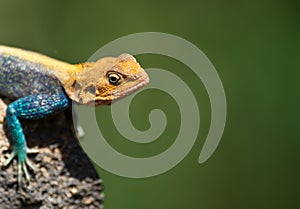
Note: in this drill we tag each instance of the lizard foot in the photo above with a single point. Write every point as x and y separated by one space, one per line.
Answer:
23 162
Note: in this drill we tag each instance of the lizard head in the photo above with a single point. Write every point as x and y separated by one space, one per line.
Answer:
107 80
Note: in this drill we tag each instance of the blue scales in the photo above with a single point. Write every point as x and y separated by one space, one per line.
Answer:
35 94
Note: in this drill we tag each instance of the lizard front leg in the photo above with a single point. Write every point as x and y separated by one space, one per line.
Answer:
30 107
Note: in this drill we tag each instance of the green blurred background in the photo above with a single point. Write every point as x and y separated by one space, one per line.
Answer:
254 46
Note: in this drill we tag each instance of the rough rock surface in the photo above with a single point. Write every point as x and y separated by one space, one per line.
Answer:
64 176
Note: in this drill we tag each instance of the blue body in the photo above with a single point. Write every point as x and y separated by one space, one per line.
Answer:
35 93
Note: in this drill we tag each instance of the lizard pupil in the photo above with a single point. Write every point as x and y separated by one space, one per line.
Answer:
114 78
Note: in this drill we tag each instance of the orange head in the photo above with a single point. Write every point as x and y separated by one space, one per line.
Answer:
107 79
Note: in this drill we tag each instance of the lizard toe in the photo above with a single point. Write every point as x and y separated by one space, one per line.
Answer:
9 159
30 150
22 167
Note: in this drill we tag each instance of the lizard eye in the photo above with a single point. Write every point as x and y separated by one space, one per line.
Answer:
114 78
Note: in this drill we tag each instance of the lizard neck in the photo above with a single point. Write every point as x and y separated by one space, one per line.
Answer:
69 79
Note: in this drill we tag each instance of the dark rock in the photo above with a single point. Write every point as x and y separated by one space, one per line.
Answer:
57 181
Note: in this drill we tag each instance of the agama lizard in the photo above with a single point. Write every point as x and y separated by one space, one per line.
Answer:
39 85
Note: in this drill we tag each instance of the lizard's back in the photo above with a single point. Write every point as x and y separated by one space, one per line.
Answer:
24 72
19 78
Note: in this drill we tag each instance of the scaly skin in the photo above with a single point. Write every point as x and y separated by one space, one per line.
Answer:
40 85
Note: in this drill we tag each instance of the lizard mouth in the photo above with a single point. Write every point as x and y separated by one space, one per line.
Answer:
142 81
